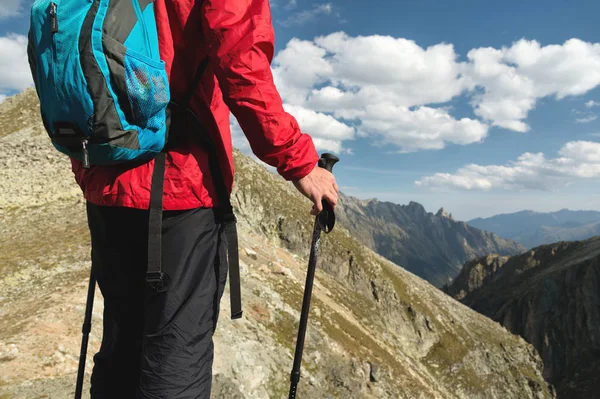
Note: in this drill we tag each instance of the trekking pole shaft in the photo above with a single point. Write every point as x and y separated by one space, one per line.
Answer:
327 161
86 328
310 277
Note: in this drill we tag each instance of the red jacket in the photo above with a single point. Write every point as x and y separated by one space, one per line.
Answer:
238 37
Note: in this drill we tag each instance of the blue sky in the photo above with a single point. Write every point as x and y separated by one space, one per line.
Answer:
391 88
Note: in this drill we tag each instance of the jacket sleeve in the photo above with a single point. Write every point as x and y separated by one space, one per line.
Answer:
241 46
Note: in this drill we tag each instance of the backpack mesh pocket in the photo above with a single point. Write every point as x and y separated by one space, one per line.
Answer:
147 90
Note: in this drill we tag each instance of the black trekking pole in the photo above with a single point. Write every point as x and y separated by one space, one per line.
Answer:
323 222
87 327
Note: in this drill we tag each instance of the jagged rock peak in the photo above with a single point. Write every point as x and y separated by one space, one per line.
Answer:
443 214
416 209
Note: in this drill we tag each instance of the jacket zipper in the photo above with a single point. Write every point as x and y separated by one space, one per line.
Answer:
53 30
138 11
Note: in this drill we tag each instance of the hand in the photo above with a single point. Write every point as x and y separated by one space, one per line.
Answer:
319 184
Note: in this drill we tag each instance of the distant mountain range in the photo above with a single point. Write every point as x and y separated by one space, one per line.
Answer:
532 229
432 246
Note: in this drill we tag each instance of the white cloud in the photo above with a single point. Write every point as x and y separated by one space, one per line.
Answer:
377 81
392 88
592 104
586 119
327 132
14 67
577 160
303 17
10 8
295 79
422 128
514 78
2 98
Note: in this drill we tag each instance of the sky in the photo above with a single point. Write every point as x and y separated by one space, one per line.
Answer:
479 107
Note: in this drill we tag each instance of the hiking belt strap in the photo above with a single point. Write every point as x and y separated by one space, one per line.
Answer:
234 270
229 223
155 277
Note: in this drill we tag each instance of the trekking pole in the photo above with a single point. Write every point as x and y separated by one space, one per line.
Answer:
324 221
87 327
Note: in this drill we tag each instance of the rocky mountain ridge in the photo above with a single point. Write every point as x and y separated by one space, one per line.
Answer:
432 246
375 330
550 296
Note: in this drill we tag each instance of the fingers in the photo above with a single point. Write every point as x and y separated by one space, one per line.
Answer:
332 198
318 206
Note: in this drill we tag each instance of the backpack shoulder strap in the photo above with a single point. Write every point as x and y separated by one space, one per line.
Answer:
185 103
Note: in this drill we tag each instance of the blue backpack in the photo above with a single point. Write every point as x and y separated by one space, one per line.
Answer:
105 99
102 86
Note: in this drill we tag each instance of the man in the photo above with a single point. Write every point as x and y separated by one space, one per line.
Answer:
159 344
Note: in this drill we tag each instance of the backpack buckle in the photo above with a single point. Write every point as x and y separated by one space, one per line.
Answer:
228 218
157 280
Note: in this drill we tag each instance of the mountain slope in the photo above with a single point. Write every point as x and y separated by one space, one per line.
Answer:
433 247
532 229
375 330
550 296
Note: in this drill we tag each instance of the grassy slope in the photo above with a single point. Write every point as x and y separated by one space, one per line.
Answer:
427 344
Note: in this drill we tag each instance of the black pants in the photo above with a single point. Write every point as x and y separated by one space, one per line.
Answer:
156 345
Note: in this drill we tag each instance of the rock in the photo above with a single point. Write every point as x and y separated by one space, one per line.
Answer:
263 268
243 268
9 354
251 253
225 388
374 372
278 269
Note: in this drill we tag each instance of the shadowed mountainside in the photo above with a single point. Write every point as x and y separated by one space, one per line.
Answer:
551 297
432 246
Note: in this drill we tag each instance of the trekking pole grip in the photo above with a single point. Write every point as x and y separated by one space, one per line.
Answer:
326 218
327 161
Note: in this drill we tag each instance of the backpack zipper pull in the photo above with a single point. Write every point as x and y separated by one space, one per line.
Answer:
86 156
53 19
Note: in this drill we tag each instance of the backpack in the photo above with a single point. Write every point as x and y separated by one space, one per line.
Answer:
105 99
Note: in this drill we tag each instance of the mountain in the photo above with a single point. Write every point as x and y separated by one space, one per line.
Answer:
432 246
532 229
374 331
551 297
